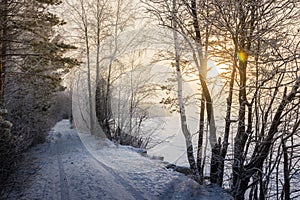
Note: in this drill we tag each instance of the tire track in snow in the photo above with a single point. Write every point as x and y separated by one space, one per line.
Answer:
63 180
57 149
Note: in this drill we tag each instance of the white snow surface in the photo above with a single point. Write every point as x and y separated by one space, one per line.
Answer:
71 166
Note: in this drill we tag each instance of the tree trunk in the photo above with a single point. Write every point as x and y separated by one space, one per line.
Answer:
241 136
200 139
3 46
215 163
87 48
184 128
108 111
202 70
227 124
98 43
92 122
102 107
286 186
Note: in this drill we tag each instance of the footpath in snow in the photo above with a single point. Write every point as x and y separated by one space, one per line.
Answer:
71 166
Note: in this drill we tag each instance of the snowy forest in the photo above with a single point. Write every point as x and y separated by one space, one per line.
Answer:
205 88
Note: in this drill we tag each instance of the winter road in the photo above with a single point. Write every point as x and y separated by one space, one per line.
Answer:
71 167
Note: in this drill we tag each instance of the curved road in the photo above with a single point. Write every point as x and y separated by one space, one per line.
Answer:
63 169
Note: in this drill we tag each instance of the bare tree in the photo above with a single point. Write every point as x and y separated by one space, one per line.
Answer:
196 36
263 64
183 118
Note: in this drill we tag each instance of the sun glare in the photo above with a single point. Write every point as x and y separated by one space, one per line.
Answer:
242 56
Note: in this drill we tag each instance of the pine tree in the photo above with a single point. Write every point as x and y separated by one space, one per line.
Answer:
32 63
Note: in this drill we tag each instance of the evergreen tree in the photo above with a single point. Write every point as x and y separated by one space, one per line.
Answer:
32 63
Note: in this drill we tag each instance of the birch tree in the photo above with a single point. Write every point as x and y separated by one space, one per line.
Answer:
183 118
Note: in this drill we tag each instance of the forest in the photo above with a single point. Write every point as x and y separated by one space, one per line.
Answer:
115 68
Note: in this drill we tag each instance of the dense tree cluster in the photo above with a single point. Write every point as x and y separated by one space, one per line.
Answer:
32 63
259 43
113 80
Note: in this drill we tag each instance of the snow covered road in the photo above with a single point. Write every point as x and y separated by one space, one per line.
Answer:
71 166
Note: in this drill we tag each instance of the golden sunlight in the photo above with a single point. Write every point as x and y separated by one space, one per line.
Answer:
242 56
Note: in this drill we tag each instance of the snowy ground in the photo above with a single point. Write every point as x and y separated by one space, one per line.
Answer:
72 166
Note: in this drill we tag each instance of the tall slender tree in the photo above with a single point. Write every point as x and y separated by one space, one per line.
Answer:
183 118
